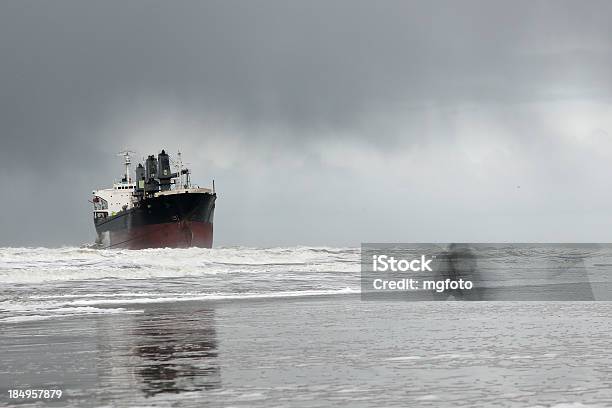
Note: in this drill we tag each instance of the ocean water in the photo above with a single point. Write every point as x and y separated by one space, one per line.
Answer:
40 283
285 327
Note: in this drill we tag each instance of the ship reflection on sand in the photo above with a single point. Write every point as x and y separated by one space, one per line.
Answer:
176 355
143 354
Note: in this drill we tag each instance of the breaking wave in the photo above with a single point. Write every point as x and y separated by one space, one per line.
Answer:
32 265
44 283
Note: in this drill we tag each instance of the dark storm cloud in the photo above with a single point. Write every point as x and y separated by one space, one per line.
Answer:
279 77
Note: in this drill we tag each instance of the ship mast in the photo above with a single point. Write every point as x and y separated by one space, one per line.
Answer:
128 162
180 165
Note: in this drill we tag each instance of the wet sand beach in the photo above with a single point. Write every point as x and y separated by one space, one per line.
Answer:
317 351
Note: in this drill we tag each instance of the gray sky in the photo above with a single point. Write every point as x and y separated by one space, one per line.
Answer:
322 122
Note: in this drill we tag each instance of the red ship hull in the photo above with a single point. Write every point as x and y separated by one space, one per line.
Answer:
183 234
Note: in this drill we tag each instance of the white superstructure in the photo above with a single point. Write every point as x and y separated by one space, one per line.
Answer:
109 201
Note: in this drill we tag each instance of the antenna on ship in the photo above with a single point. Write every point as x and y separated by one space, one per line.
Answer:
185 181
180 168
127 162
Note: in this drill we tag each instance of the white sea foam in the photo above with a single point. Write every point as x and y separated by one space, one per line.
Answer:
59 306
217 296
32 265
428 397
134 298
60 313
404 358
38 281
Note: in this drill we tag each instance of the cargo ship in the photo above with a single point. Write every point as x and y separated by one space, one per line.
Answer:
156 209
